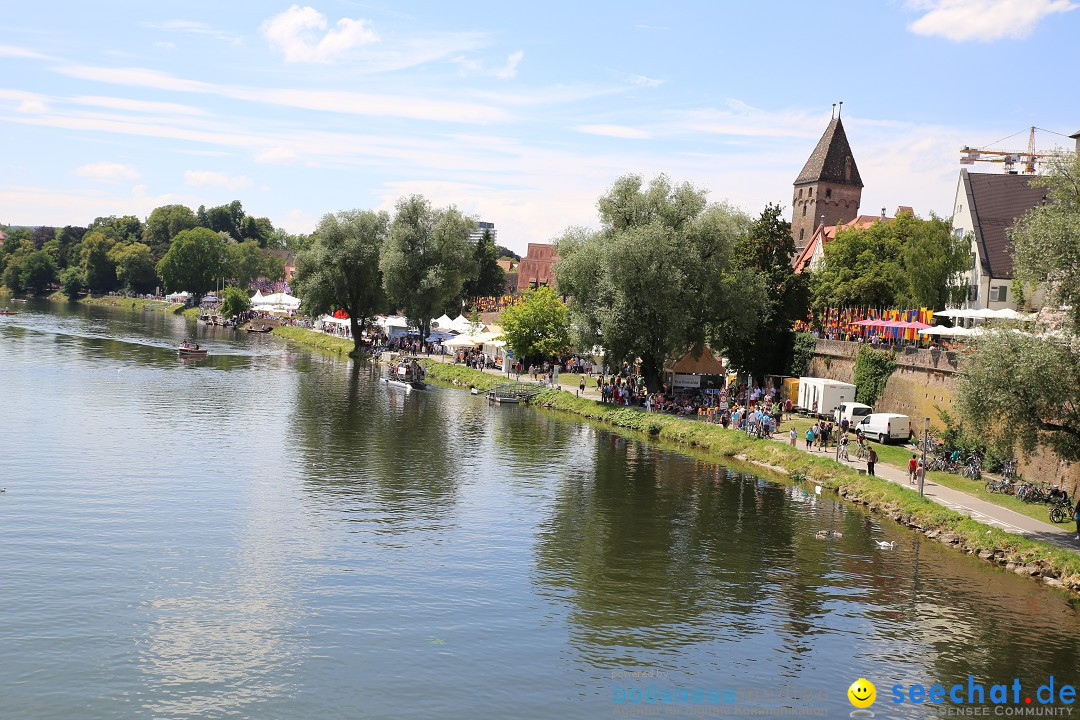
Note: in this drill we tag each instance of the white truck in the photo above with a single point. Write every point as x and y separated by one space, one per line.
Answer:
852 411
886 427
821 396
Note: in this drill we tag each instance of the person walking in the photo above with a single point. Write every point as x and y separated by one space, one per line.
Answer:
1076 516
809 439
794 435
582 385
871 460
912 466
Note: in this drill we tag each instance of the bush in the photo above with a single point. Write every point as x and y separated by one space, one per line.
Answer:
71 282
802 352
873 368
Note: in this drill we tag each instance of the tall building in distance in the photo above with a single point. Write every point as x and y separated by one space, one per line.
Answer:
829 189
478 232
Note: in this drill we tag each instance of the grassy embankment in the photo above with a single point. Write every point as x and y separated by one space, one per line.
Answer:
119 301
315 339
1058 567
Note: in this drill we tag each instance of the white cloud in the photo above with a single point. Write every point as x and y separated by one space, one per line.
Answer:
209 178
33 107
276 155
984 20
195 28
643 81
19 52
107 172
139 106
509 70
338 101
301 34
165 45
616 131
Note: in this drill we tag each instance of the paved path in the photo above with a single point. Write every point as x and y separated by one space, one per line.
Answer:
985 512
1062 536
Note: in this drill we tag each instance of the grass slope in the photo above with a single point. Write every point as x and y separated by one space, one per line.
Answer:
315 339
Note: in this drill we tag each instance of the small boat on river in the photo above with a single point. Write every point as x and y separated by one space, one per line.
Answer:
406 372
259 328
188 349
9 312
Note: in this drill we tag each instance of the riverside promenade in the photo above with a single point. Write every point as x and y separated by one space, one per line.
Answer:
1062 536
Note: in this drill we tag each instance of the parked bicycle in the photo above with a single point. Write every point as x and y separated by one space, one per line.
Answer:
973 467
1004 485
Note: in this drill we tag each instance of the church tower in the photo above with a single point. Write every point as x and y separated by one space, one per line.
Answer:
829 189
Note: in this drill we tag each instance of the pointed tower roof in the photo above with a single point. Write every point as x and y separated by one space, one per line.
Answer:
830 159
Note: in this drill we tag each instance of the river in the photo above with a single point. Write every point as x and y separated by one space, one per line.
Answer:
272 533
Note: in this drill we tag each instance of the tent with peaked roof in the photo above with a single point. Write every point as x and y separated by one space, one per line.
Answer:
703 364
443 322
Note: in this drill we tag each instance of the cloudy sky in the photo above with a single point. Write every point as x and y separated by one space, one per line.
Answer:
519 114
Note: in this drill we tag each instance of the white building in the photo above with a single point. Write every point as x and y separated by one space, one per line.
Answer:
987 205
478 232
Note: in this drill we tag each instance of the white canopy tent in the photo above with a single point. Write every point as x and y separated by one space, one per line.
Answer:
986 314
462 341
258 298
460 324
443 323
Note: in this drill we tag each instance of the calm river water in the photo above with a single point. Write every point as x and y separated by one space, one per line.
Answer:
270 533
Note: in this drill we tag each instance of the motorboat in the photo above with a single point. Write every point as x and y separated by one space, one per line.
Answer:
406 372
188 349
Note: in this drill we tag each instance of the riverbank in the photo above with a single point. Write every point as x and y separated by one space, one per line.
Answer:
1032 558
119 301
315 339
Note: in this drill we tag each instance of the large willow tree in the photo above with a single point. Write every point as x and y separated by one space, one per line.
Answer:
660 277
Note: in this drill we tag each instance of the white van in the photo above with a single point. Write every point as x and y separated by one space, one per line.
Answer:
853 411
885 427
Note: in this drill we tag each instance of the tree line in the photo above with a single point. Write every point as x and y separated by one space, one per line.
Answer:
174 246
418 261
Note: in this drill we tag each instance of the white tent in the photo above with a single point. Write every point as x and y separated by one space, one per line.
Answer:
283 300
461 341
986 314
178 297
442 323
460 324
258 298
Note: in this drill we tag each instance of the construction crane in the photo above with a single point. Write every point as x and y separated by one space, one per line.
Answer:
1009 158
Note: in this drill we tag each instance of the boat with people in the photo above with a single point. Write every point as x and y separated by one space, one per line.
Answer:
5 311
259 328
406 372
190 349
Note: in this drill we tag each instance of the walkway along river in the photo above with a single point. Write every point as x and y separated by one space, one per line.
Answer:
272 533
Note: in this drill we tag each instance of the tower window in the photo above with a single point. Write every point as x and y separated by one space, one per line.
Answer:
802 232
811 192
800 193
828 193
804 210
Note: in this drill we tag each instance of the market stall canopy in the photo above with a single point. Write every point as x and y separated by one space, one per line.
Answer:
443 322
460 324
392 321
987 314
439 336
461 341
704 364
280 300
258 298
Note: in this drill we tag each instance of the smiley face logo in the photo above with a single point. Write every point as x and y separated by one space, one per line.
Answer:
862 693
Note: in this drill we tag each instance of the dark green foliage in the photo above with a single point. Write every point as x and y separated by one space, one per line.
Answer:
873 368
906 262
195 262
802 352
489 279
165 223
234 301
71 282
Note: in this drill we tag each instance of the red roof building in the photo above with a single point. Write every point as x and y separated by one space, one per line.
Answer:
537 268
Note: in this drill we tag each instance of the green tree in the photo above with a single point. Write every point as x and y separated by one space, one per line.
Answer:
340 271
12 274
134 266
38 272
1047 238
71 282
1021 389
425 259
273 267
538 327
767 247
195 262
234 301
125 229
245 262
68 239
660 276
165 223
489 279
905 261
228 219
97 265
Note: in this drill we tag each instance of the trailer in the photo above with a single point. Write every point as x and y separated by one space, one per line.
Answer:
821 396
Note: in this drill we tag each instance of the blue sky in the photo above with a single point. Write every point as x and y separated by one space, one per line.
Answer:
519 114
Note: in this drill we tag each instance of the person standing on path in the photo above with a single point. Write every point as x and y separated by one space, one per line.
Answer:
582 385
912 466
809 439
794 435
871 460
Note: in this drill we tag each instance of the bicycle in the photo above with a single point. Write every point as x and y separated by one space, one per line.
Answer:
861 451
1002 486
